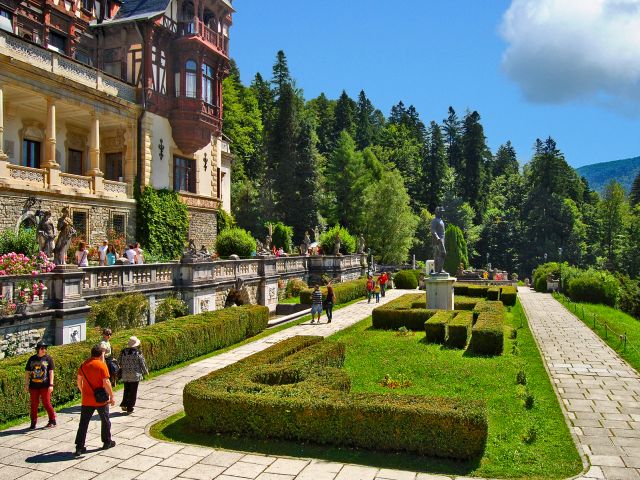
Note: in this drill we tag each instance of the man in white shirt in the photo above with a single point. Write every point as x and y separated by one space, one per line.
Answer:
102 251
130 253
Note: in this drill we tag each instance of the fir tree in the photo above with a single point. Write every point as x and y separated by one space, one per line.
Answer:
475 179
323 108
345 115
281 75
453 132
505 161
634 195
364 122
435 171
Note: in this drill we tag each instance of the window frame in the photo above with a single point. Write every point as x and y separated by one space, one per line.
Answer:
184 174
31 158
69 157
191 79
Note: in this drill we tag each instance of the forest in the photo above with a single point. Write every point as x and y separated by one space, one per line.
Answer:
326 162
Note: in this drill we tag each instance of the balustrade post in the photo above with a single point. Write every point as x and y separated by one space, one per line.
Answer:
65 296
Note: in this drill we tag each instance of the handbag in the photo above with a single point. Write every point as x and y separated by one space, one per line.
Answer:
99 393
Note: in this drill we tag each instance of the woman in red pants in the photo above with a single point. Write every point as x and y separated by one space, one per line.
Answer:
38 381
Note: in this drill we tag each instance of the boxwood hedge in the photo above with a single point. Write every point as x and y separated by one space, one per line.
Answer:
406 279
163 344
493 293
344 292
436 326
509 295
399 313
295 390
459 330
487 337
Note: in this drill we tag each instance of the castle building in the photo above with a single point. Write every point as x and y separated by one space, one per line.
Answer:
96 95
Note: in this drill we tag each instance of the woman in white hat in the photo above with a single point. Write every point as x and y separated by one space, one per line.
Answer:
133 368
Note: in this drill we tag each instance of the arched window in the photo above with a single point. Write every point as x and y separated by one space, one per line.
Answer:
190 79
207 84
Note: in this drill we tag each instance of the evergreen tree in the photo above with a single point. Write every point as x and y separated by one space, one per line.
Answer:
453 138
262 92
281 76
505 161
631 263
475 180
614 217
456 250
365 126
436 175
345 116
323 109
634 196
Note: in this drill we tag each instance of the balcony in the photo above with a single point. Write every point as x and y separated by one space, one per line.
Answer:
193 122
197 29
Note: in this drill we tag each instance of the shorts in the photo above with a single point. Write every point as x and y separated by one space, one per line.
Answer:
316 308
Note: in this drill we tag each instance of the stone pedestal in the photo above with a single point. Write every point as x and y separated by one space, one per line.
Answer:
440 291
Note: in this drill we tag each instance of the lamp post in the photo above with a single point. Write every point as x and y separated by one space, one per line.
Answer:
545 258
487 259
560 275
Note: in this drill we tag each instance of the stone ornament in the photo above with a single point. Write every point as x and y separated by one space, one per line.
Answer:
437 239
46 234
66 232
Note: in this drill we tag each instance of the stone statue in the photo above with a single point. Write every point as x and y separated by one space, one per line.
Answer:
336 245
437 239
47 234
360 244
316 234
304 248
66 232
269 240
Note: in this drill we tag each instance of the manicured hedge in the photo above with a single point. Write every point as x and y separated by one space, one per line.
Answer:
487 337
461 288
477 290
509 295
399 313
344 292
406 279
493 293
163 344
459 330
295 390
465 303
436 326
419 303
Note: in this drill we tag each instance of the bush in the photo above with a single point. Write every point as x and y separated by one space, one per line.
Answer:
629 301
170 308
493 293
399 313
456 249
405 279
509 295
542 272
487 337
594 287
419 303
461 288
436 326
224 220
163 344
282 236
296 390
119 311
477 291
465 303
344 292
294 287
22 242
459 330
328 240
235 241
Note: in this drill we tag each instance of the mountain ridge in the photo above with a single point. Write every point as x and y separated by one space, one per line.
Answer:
599 174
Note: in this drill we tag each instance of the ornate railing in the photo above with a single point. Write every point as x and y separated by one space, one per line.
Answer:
104 280
196 27
12 285
290 264
53 62
116 188
31 176
77 182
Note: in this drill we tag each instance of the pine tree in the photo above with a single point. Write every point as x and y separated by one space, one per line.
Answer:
475 180
323 109
281 75
364 122
505 161
345 115
453 132
634 195
435 171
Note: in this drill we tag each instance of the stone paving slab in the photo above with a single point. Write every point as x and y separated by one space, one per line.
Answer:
596 388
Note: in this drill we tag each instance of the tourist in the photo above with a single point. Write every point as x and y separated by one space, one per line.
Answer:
383 279
376 290
370 287
139 254
331 299
82 255
280 252
108 354
316 303
112 255
97 394
130 253
102 252
38 381
133 368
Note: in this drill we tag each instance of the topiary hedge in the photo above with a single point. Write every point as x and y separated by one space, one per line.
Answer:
509 295
118 312
436 326
465 303
235 241
163 344
295 390
459 330
400 313
344 292
477 291
493 293
405 279
487 336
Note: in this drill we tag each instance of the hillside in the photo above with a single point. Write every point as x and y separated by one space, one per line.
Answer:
599 174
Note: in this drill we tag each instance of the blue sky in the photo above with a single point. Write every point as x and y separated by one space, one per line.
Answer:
433 54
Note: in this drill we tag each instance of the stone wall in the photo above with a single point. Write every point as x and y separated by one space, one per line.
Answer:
203 228
19 338
16 208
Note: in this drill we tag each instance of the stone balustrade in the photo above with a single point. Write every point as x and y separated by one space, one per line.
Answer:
101 281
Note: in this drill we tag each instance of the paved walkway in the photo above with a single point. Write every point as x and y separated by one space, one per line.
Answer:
600 393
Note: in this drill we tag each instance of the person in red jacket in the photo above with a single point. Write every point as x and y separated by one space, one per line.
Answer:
384 278
371 285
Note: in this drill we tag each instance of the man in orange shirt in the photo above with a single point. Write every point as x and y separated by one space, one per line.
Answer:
93 374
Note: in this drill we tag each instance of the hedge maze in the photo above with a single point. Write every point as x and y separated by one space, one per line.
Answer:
296 390
476 323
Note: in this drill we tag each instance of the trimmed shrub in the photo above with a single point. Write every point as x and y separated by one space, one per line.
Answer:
456 249
170 308
493 293
477 291
119 311
295 390
487 306
294 287
509 295
465 303
328 240
344 292
460 288
235 241
282 236
419 304
487 336
399 313
594 287
405 279
436 326
459 330
163 344
542 272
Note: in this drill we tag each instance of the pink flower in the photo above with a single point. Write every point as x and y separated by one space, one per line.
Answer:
34 273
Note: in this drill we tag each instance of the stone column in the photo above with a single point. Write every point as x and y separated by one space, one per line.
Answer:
50 149
94 154
3 156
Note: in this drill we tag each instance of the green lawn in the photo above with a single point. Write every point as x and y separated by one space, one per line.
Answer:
432 370
618 323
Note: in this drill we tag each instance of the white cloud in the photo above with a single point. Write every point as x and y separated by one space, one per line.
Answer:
563 50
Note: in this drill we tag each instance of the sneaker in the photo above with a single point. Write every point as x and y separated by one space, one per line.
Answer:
51 424
32 426
79 451
129 410
123 408
109 445
329 321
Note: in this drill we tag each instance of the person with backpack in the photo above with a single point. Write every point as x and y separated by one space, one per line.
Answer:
133 368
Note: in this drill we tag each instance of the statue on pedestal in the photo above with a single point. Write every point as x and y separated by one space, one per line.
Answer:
437 239
47 234
304 248
336 245
66 232
361 244
316 234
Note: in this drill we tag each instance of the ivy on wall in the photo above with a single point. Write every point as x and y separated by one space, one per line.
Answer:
162 222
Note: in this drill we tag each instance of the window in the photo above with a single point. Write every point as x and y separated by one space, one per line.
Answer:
177 83
74 164
6 20
83 57
218 183
207 83
158 69
30 154
118 223
57 42
190 79
184 175
87 5
113 68
80 223
113 166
